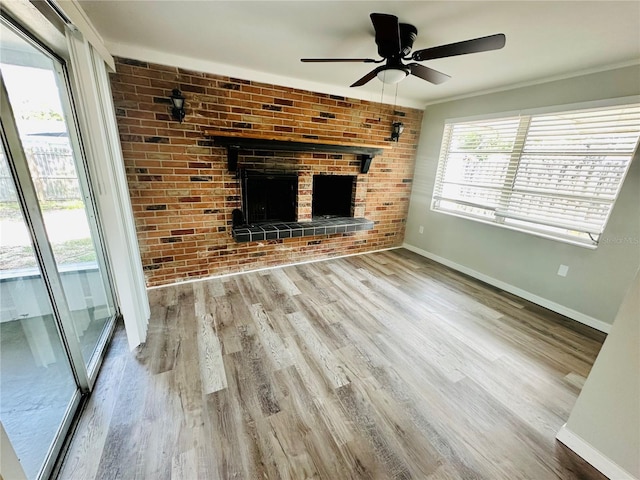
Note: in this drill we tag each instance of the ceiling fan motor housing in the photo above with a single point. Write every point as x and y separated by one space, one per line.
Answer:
408 35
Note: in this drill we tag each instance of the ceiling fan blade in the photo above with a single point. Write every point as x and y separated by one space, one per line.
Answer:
326 60
387 34
369 76
482 44
428 74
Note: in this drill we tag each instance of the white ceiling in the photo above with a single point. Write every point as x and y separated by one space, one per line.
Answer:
264 40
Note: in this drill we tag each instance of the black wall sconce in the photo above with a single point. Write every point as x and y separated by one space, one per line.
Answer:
396 129
177 100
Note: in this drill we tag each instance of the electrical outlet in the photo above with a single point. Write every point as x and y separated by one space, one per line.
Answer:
421 229
563 270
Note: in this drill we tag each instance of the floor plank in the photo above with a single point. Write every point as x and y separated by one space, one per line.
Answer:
378 366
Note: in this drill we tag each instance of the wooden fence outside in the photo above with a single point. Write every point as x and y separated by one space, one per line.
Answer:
53 173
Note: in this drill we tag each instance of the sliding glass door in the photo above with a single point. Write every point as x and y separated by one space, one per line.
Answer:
56 304
37 385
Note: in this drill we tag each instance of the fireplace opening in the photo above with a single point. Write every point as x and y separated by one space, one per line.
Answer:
332 195
269 197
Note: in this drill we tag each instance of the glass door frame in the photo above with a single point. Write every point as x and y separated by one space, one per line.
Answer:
64 80
27 199
84 373
63 77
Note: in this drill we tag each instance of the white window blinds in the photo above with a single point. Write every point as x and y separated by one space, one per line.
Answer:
555 175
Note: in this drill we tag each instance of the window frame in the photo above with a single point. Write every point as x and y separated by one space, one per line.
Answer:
516 153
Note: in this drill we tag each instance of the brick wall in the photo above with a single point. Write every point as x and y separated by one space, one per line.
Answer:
182 194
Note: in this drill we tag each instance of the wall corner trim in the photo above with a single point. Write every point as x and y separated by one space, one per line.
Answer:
543 302
592 455
82 22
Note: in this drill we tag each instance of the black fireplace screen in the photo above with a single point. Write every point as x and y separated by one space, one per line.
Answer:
269 197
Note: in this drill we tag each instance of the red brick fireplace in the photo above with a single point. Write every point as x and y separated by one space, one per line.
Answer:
183 193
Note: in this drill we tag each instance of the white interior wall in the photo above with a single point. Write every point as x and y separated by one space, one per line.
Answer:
10 467
604 426
522 263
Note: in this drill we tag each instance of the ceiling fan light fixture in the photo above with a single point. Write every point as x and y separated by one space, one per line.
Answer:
392 75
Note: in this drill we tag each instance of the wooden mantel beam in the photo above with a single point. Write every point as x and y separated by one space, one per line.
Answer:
234 143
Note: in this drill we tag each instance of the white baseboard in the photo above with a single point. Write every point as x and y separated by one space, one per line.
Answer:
556 307
592 456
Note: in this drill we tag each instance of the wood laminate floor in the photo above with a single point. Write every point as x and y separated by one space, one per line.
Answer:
377 366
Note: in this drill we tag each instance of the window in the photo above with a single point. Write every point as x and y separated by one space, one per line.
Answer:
556 175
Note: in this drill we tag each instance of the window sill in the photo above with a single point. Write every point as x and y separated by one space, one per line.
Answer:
535 233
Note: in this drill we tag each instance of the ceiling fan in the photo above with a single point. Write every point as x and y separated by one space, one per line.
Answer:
395 41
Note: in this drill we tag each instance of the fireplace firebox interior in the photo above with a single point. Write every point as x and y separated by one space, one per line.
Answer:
332 196
269 197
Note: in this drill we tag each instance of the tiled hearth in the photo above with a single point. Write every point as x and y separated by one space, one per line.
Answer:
324 226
